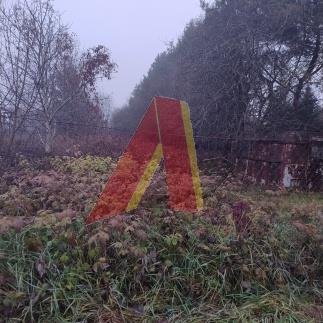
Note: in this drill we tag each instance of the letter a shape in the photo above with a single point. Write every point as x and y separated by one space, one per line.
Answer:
164 132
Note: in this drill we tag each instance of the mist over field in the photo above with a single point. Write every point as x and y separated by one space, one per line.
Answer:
161 161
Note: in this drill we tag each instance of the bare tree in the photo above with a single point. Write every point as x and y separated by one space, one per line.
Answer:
18 91
49 43
38 50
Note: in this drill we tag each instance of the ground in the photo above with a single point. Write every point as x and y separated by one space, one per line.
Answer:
254 254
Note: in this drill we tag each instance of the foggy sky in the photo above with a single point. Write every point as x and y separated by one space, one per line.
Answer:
135 31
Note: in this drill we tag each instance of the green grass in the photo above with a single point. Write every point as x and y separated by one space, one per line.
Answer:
156 265
182 270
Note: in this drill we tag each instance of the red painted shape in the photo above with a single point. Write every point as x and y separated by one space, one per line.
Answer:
177 162
162 124
131 166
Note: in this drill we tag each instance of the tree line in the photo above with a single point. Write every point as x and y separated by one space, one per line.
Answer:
247 68
46 84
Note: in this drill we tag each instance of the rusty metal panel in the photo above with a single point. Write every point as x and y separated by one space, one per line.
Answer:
292 162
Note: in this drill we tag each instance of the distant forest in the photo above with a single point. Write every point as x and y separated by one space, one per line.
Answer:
246 68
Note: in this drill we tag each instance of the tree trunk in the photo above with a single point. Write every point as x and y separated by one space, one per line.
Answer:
50 132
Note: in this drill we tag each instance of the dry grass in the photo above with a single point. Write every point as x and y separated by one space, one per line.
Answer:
157 265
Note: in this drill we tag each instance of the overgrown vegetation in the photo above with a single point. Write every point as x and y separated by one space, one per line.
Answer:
248 69
251 255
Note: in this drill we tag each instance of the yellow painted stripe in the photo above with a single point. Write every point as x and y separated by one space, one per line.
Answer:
192 154
157 119
145 179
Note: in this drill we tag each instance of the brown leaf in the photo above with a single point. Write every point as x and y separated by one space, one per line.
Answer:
33 244
102 264
116 223
224 248
100 238
68 213
141 235
43 180
315 312
308 229
14 222
246 285
40 267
